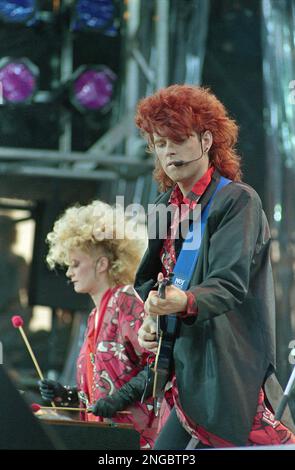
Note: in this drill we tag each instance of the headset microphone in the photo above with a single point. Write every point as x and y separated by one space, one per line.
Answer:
181 162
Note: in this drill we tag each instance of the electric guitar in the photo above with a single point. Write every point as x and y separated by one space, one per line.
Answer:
166 334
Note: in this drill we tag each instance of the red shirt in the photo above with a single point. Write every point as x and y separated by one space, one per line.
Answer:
265 429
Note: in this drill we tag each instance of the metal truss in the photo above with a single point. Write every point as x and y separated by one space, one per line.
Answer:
146 29
101 162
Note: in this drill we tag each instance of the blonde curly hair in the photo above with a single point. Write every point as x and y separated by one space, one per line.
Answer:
97 228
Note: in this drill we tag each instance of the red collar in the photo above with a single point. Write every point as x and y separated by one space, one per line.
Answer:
198 189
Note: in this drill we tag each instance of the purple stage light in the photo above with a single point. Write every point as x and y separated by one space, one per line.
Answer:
93 89
18 79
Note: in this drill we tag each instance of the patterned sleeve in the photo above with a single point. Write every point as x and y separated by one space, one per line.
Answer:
131 313
191 307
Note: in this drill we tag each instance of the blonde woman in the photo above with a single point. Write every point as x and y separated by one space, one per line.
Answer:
101 258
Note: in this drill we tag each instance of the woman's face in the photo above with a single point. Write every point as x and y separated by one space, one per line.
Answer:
82 271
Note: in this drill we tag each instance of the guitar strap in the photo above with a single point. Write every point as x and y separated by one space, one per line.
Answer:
182 274
189 254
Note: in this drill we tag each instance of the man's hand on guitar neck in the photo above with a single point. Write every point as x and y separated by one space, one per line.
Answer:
175 301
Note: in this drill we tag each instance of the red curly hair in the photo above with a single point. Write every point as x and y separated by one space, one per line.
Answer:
177 111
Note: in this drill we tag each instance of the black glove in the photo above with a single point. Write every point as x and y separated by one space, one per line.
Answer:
53 391
107 407
130 392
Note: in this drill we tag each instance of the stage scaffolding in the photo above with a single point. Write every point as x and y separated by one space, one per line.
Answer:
163 42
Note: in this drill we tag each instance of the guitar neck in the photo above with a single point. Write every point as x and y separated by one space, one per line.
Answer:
162 295
164 357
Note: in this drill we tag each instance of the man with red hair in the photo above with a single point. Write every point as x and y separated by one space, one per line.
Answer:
224 352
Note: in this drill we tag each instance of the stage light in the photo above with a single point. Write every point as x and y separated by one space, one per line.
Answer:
18 78
97 15
18 11
92 88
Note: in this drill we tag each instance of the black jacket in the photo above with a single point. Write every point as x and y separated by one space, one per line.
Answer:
224 354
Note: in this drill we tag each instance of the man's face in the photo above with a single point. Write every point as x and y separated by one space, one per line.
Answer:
190 148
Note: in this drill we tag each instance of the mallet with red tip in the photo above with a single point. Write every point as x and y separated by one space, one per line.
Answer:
18 322
36 407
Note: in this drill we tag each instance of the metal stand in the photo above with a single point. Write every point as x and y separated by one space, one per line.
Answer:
285 398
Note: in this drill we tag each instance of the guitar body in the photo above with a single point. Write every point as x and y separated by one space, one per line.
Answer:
166 332
164 361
